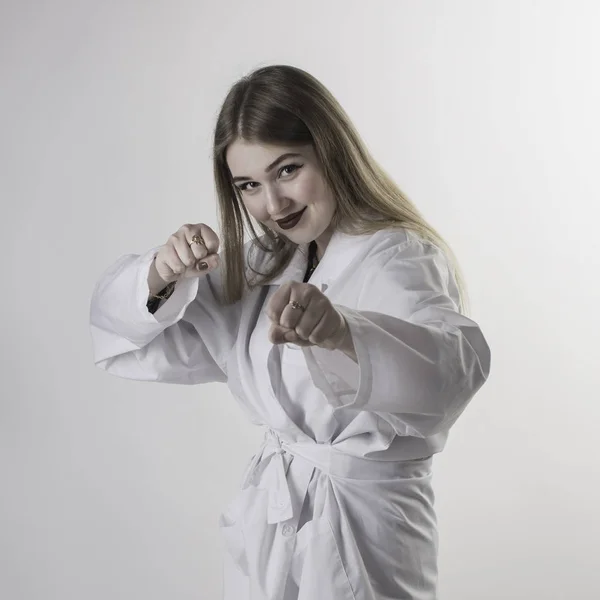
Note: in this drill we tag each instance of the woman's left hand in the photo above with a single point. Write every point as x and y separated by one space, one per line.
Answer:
319 325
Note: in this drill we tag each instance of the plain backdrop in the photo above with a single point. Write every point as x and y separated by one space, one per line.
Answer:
484 112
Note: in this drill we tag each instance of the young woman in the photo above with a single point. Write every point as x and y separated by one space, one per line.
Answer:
341 330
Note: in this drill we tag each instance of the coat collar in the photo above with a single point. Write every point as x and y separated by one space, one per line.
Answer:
339 255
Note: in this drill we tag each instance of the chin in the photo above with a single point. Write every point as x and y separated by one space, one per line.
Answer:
297 237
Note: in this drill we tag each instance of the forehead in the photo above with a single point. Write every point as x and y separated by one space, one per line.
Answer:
245 158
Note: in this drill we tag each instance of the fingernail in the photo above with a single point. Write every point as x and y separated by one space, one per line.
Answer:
202 266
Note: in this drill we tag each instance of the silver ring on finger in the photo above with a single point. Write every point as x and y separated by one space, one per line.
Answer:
295 304
197 239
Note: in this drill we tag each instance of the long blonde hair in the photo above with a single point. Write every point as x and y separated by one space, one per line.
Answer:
284 105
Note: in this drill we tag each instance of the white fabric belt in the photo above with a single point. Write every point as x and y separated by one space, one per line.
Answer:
325 458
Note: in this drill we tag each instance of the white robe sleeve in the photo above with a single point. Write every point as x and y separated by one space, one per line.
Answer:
187 340
420 361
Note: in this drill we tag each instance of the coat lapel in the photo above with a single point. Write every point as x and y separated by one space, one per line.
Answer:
336 264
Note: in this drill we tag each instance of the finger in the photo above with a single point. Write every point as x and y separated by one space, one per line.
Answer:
198 250
323 329
288 316
282 335
304 321
292 337
184 250
211 239
212 260
172 260
278 302
168 256
300 342
276 334
291 317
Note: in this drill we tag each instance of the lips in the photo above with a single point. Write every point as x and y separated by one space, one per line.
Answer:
290 218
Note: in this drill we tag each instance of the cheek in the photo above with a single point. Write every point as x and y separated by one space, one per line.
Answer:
310 191
257 209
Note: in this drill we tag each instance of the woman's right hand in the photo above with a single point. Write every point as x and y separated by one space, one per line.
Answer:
180 257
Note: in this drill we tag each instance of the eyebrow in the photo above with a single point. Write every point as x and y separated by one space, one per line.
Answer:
270 167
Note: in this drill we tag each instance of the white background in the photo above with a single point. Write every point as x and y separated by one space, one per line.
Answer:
485 113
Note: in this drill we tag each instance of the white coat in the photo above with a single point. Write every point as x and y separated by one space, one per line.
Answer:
337 502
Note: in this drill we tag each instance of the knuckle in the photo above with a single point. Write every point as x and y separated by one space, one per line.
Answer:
303 332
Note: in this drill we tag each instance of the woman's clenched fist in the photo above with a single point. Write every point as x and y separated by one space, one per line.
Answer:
182 257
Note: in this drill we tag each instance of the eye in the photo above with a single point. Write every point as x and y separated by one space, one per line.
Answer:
294 167
243 187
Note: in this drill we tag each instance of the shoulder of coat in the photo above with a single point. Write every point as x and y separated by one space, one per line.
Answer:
385 243
386 239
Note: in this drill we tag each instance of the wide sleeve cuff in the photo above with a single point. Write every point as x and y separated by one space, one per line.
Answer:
118 312
419 360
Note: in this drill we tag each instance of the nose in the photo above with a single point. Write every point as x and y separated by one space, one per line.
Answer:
275 202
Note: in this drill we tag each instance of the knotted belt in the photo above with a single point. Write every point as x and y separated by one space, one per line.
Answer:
316 455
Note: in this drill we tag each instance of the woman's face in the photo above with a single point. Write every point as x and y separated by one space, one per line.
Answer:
291 184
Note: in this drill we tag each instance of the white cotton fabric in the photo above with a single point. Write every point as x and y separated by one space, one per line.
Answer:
337 502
